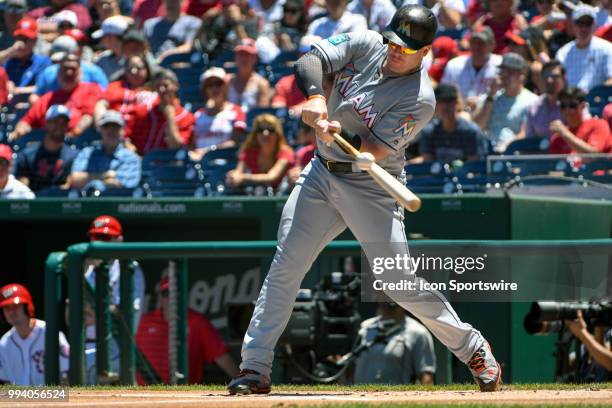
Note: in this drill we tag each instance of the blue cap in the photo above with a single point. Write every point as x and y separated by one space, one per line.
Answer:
57 110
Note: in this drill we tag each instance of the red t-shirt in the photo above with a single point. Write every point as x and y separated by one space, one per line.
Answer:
204 344
500 30
146 9
287 92
42 14
147 126
198 7
249 157
122 99
81 101
593 131
304 155
3 87
607 114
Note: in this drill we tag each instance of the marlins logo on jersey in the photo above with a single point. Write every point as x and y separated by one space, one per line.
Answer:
405 128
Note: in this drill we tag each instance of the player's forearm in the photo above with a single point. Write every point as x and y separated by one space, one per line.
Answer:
309 71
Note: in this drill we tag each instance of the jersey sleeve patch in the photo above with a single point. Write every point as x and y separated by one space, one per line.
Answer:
338 39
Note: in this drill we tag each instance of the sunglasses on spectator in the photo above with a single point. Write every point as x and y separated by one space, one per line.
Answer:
264 128
584 22
215 84
290 10
569 105
403 50
553 76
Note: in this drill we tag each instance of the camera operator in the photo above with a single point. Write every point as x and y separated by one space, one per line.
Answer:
598 367
406 356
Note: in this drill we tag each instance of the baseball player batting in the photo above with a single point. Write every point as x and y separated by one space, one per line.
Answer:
380 100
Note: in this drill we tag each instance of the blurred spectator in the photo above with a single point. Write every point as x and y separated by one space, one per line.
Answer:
265 157
449 137
286 92
133 88
287 32
604 32
49 81
549 17
65 20
109 35
473 72
502 112
144 10
21 63
79 96
502 18
449 12
574 134
587 59
198 8
22 348
603 16
546 109
47 16
106 228
173 33
223 29
378 13
308 139
87 53
165 123
530 44
204 342
4 87
404 357
607 114
338 20
10 187
268 11
48 163
443 49
220 123
475 10
246 87
12 12
133 42
110 163
108 8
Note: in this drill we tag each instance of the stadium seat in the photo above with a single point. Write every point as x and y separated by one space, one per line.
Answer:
34 136
530 145
174 181
426 169
285 58
471 176
162 158
57 192
598 98
220 159
280 113
531 167
192 59
598 170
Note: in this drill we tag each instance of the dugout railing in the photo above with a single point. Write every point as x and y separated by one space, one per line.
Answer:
64 279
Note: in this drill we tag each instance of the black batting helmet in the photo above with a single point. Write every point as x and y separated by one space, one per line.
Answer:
412 26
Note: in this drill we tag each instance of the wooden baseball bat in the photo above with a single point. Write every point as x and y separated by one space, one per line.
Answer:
391 184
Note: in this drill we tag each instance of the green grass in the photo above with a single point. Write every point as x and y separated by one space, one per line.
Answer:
354 388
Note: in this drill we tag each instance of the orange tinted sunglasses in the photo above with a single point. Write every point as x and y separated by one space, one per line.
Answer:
403 50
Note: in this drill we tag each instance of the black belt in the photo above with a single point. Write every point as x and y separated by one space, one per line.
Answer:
337 167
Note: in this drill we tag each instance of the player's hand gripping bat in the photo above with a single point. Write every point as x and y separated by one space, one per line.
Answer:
391 184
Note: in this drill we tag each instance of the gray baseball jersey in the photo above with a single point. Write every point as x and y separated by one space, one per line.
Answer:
393 109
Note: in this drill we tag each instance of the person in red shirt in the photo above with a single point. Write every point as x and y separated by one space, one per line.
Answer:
443 48
575 134
163 124
79 97
265 157
45 15
130 91
502 18
204 343
4 91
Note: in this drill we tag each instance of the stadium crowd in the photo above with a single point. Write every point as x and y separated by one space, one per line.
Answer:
92 92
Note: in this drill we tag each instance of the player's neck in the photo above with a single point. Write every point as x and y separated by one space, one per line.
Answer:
389 72
25 329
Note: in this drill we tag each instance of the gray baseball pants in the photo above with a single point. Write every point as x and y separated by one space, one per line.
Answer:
319 208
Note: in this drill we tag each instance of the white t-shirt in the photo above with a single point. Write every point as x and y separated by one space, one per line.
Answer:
325 27
274 13
22 360
587 67
210 130
458 5
460 72
381 12
16 189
